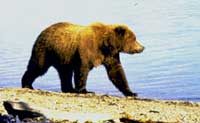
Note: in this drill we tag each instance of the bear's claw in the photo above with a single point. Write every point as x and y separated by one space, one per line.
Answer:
83 91
28 86
131 94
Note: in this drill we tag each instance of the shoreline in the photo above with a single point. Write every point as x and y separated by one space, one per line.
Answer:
66 107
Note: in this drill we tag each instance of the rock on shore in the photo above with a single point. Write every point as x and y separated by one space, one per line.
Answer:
66 107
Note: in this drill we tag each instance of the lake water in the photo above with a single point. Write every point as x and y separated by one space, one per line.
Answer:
169 68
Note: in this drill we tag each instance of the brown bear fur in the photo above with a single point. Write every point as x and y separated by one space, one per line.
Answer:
75 49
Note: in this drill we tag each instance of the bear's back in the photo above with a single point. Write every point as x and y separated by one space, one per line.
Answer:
59 39
64 39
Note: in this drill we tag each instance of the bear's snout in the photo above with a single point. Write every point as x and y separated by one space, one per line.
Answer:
139 50
138 47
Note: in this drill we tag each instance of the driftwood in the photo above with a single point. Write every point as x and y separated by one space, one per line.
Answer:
20 114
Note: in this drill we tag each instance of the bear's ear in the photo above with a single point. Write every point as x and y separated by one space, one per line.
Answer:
120 30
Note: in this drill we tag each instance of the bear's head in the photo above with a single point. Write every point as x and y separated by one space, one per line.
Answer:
125 40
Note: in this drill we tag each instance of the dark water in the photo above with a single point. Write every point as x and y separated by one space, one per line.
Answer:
169 68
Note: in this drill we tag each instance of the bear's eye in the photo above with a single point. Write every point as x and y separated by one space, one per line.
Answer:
134 38
131 36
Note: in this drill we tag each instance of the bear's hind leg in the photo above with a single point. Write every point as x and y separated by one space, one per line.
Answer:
65 73
32 72
28 79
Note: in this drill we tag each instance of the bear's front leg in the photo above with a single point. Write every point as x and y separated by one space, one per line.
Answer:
80 78
117 76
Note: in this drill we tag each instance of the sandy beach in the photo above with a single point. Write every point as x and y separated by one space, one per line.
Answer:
66 107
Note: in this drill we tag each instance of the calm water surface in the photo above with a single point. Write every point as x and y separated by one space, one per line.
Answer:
169 68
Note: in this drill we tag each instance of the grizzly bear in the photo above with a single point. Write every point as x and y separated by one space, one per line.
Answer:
74 50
